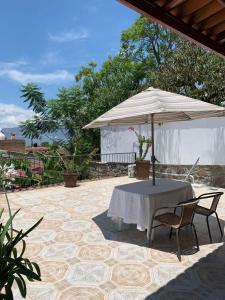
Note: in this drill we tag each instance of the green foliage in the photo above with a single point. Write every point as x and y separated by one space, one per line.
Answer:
22 163
25 181
174 64
147 42
58 159
194 72
35 98
149 55
29 130
14 267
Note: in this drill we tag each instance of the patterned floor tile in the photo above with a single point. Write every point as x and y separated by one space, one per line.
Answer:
125 294
94 253
81 293
93 273
59 251
83 257
53 271
130 253
131 275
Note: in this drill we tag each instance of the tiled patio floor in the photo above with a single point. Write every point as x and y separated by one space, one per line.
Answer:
82 255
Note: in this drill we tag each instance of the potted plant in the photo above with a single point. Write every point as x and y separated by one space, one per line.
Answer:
73 165
14 267
59 159
142 165
71 171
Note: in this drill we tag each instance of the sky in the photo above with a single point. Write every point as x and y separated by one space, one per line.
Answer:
47 42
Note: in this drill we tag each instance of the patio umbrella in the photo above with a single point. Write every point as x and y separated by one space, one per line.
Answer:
156 106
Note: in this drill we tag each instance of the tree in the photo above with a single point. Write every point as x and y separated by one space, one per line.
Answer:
149 55
35 98
194 72
173 63
29 130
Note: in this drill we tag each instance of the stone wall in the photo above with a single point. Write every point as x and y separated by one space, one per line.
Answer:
13 145
208 174
107 169
212 175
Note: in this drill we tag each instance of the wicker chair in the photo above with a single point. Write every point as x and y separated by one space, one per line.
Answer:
215 196
175 221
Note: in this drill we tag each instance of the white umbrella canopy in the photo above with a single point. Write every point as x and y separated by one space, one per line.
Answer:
156 106
166 107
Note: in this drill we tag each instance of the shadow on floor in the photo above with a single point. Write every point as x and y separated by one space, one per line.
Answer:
128 235
131 235
204 280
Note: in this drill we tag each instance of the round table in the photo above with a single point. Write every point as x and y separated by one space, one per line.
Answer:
135 203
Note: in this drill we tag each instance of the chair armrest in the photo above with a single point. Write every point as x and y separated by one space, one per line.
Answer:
164 207
210 195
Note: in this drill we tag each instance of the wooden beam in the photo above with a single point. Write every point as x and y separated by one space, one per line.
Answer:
213 20
222 2
205 12
221 37
171 4
154 12
189 7
217 29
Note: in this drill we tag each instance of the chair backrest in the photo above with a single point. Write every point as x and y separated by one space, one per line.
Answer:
215 196
187 211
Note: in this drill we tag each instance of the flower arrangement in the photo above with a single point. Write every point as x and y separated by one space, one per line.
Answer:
142 141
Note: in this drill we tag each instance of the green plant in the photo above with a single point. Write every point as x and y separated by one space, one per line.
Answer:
142 140
22 163
14 267
75 163
58 159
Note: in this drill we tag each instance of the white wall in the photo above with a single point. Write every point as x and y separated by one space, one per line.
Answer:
175 143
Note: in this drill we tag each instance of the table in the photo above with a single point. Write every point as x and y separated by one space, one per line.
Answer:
135 203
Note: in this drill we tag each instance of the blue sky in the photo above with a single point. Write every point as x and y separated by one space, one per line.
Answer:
46 42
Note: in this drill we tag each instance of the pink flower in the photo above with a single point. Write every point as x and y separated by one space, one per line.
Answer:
131 128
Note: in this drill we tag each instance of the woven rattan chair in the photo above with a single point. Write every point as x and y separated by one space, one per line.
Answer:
215 196
176 221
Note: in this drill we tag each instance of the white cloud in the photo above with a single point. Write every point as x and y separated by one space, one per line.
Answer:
51 58
12 64
45 78
69 36
12 115
14 71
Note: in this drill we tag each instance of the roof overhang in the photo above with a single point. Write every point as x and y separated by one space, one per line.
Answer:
201 21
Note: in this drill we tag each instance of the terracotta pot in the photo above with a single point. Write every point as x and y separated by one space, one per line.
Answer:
70 179
142 169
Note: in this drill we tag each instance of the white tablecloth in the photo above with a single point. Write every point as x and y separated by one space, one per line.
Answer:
135 202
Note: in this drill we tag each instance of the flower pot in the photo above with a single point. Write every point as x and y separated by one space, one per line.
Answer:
142 169
70 179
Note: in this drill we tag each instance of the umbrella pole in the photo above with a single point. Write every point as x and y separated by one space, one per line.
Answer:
153 150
